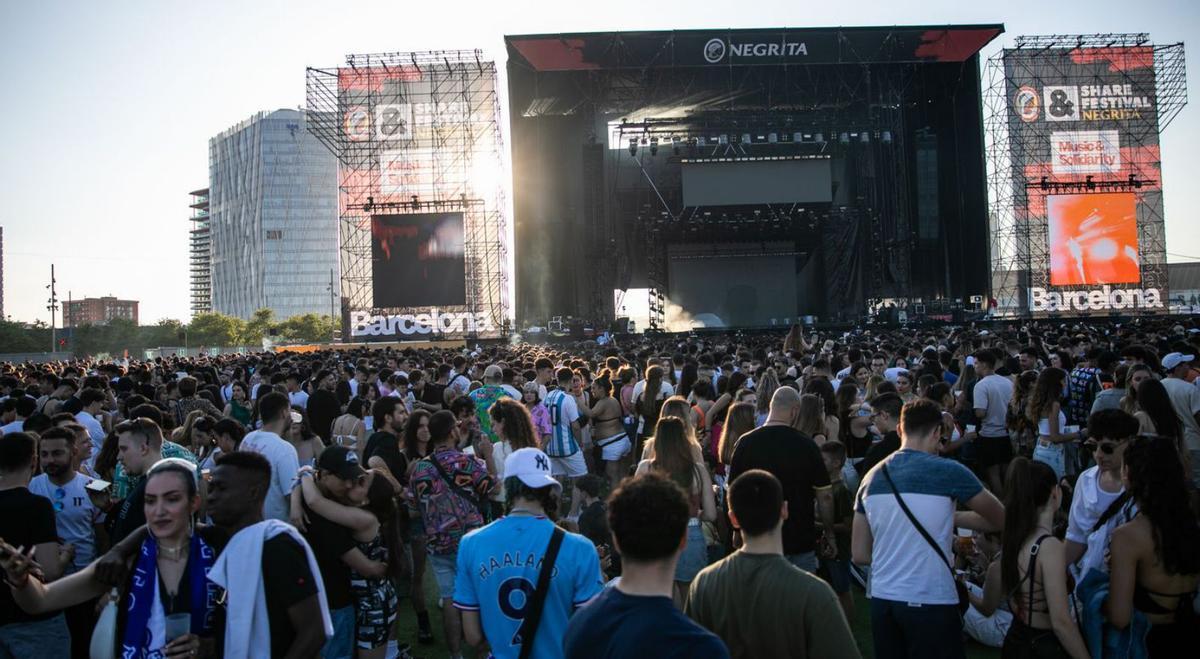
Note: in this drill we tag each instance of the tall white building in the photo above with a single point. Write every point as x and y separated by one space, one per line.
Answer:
273 212
201 253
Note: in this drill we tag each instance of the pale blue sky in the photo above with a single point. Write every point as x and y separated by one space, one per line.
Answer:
109 105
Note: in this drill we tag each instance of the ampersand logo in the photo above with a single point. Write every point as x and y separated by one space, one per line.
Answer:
1062 103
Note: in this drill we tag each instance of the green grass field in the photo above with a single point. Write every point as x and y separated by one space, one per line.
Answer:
406 629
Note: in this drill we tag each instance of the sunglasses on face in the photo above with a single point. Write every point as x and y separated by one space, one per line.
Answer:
1107 448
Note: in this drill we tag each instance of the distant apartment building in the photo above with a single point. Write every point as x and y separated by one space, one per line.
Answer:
98 311
201 253
272 218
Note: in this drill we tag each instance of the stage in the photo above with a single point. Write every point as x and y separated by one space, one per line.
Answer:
746 178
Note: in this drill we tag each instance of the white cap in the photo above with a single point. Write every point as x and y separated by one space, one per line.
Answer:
1174 359
970 360
531 466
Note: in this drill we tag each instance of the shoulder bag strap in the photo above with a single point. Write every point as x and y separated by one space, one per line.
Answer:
533 610
469 496
920 529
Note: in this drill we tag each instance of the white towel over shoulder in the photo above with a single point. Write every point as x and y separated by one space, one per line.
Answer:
247 630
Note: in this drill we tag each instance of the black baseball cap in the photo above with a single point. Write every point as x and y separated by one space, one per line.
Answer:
341 462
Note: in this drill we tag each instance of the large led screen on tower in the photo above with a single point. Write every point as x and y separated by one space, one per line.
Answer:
1093 239
418 260
1083 131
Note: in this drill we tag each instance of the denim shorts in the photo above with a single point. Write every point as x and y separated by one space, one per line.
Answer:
1053 456
444 569
695 555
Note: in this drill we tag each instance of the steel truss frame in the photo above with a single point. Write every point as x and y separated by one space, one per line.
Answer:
460 145
1020 250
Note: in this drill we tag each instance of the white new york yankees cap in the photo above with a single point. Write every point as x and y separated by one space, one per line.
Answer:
531 466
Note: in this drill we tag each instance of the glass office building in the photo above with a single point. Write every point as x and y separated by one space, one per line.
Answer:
273 213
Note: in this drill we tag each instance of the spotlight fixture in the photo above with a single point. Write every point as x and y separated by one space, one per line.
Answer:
844 138
633 146
654 146
1045 183
370 205
1090 182
745 138
819 138
886 136
865 137
416 203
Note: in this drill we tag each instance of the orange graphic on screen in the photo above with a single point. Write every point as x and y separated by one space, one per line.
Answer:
1093 239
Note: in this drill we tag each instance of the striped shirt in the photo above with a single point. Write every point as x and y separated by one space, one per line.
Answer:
563 412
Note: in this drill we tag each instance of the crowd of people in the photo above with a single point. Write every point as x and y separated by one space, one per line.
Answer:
1029 486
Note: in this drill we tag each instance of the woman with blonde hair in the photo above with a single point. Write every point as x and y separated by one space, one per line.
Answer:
674 458
873 386
676 406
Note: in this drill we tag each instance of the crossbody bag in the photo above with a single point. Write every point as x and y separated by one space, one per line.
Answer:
537 600
964 600
461 491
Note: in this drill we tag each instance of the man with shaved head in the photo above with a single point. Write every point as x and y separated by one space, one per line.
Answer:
792 457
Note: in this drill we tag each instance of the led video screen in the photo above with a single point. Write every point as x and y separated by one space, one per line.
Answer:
418 260
1093 239
757 182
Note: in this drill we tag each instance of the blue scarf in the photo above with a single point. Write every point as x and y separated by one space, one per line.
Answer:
145 622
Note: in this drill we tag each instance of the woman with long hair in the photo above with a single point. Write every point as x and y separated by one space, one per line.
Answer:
677 407
197 436
416 446
608 432
1016 419
767 384
1154 564
728 394
1137 374
687 379
1045 410
1156 414
872 387
675 459
375 536
648 403
822 387
811 421
1032 573
513 425
739 420
239 406
176 558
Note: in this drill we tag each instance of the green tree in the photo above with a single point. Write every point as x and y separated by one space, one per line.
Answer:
307 328
19 337
259 326
166 332
215 329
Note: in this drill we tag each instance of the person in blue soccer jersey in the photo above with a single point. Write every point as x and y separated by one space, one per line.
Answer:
500 568
566 456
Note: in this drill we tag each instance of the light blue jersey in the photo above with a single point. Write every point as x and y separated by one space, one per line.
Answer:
498 567
563 411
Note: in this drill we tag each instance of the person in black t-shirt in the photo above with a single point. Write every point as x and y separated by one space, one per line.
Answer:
236 490
139 446
886 417
323 405
384 444
793 458
27 520
340 477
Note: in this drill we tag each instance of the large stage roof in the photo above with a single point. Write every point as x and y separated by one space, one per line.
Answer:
753 47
